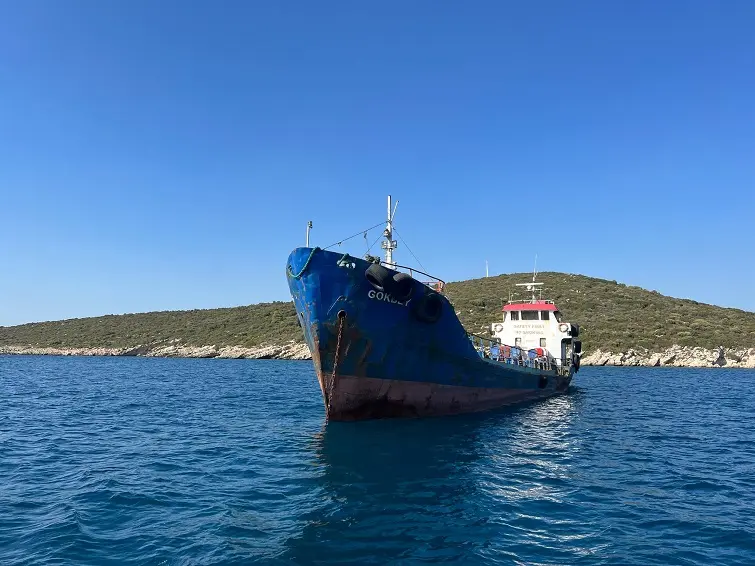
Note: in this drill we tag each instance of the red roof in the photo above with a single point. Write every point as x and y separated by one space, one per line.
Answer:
536 306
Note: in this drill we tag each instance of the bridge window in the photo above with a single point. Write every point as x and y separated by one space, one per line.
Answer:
514 315
529 315
557 314
542 342
543 315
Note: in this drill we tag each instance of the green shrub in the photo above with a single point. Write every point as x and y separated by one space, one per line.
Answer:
611 316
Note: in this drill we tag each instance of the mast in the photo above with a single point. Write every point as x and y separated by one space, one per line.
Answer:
533 287
389 244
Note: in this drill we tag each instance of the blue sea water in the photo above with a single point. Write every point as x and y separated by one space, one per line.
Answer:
165 461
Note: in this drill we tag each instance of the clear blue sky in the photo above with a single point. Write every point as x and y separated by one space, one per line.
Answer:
167 155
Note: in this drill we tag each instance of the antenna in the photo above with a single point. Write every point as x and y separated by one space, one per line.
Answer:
389 244
309 227
532 287
487 273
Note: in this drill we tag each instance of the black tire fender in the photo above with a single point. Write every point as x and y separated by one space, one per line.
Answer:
379 277
578 346
574 330
402 287
428 307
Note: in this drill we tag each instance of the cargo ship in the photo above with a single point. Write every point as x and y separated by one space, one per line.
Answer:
386 341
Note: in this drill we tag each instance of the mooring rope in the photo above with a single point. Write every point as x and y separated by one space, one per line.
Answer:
306 265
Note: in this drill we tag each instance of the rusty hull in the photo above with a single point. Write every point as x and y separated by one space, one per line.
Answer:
358 398
389 363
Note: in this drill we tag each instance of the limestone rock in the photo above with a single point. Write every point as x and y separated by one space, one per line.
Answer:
677 356
140 350
668 360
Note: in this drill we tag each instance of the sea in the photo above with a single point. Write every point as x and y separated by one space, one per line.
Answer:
179 461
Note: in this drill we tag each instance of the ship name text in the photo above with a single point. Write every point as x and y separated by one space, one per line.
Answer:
383 296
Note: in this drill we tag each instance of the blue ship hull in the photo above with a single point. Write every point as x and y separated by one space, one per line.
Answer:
389 363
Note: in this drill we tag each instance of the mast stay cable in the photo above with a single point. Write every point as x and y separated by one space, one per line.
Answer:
339 242
408 248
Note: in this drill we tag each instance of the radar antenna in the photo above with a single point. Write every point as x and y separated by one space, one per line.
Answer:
533 286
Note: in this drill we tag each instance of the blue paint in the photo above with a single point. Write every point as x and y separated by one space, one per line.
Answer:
383 337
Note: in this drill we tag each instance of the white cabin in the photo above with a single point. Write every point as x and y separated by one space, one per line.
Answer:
537 325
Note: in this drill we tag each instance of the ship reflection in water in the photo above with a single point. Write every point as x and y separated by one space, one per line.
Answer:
444 488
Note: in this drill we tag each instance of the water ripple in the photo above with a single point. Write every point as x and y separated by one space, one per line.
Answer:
148 461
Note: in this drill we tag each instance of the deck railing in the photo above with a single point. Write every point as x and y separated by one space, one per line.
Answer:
493 349
437 284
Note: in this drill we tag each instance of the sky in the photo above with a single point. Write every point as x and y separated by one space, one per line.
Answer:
168 155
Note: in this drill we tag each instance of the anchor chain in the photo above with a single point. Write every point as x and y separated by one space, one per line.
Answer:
332 385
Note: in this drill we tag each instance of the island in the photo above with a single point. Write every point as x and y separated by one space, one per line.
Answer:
621 325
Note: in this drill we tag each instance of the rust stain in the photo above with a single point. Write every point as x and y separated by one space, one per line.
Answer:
356 396
375 409
359 398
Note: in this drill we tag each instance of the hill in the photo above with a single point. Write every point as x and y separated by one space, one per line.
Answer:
613 317
246 326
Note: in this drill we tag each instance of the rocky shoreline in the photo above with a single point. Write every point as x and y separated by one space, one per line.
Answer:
675 356
290 351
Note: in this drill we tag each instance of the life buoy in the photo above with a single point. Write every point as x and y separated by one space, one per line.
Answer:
498 327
